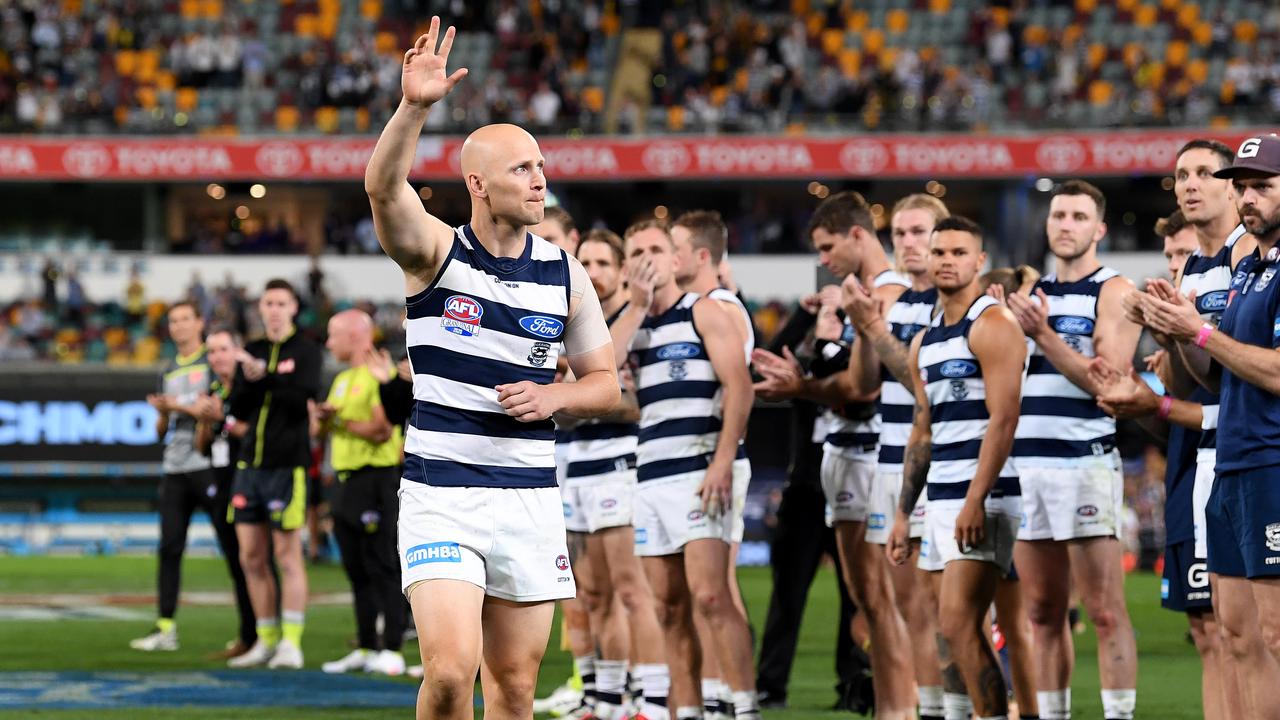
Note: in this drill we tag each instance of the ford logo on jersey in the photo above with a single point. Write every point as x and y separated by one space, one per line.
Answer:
1073 325
462 315
957 368
677 351
1215 301
542 326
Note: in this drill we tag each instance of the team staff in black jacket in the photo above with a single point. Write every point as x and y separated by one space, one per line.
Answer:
278 376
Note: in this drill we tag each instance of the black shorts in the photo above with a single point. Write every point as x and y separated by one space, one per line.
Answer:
315 491
368 497
1185 585
270 495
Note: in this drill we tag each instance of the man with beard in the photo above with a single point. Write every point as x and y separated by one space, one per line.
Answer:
1242 533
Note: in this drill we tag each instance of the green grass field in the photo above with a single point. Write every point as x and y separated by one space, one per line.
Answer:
1168 685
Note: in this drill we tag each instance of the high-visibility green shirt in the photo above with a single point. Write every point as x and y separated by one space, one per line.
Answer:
354 395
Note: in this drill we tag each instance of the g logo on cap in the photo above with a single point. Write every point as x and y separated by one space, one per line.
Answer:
1249 148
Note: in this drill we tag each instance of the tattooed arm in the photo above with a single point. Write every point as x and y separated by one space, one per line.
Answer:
915 462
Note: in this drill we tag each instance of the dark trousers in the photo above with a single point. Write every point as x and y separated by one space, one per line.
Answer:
799 543
181 494
365 508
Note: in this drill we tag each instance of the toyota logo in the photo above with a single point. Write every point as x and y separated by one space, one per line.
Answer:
86 160
1060 155
665 158
864 158
279 159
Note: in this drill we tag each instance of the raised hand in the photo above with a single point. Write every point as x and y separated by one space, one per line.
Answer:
859 304
1032 316
422 77
640 276
379 364
995 291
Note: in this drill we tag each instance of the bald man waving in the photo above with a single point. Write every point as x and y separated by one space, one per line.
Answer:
490 308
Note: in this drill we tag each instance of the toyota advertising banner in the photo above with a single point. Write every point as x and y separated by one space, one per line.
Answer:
1143 152
77 421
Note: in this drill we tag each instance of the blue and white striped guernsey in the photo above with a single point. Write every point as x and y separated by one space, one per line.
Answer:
857 438
484 321
598 450
681 399
1210 277
1062 423
908 316
957 397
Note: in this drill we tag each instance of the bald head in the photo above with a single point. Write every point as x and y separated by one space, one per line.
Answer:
350 335
502 167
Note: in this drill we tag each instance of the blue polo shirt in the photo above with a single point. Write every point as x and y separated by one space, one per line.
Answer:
1249 419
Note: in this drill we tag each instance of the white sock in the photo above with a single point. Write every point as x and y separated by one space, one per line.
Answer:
930 697
586 667
745 705
689 713
1055 704
711 696
1119 704
956 706
655 684
611 680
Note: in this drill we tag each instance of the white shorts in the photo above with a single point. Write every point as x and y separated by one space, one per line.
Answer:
510 542
1068 503
940 539
1206 459
603 503
668 514
886 489
575 517
846 482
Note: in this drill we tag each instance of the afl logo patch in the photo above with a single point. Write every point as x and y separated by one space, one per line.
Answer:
542 326
462 315
562 563
1087 510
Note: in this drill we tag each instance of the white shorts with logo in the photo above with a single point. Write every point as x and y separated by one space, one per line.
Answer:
1206 459
939 546
510 542
575 518
1070 502
886 489
602 503
668 513
847 482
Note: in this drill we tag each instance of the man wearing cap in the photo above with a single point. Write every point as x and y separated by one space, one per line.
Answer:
1243 512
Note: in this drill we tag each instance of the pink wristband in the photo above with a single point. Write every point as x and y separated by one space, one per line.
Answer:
1166 407
1203 337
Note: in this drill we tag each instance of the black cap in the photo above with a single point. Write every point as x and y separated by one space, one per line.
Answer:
1257 154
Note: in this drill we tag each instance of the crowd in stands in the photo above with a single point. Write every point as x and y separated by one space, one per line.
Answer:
232 66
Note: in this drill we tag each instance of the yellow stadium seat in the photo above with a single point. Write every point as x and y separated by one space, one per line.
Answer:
148 66
326 119
1097 53
1035 35
211 9
1146 16
1175 53
166 80
857 21
1228 92
362 119
897 21
719 94
72 7
814 22
1172 5
1132 51
795 129
1202 33
327 26
675 118
888 57
873 41
1071 34
1100 92
741 79
610 23
126 62
287 118
799 7
939 7
305 25
189 9
121 114
1086 6
1246 31
386 42
1000 16
187 98
593 98
1189 15
832 41
1198 71
1220 122
370 9
850 63
1127 5
146 97
679 40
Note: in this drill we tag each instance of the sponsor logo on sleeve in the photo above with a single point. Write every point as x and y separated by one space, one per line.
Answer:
437 552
